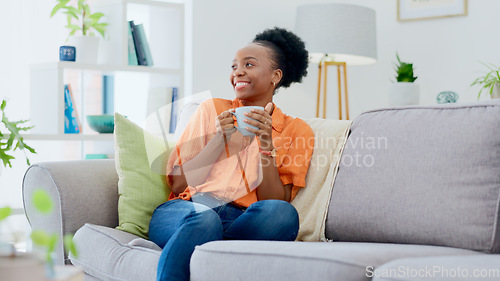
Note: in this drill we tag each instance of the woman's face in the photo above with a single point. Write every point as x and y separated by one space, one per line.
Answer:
252 74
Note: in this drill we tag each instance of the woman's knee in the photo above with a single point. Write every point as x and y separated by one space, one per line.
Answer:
279 214
170 216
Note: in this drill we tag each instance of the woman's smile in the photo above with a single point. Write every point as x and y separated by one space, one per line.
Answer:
241 85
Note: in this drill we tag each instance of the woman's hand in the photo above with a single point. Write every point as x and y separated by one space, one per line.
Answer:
225 123
263 121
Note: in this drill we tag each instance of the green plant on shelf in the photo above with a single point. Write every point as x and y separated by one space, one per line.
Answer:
7 145
404 71
488 81
80 18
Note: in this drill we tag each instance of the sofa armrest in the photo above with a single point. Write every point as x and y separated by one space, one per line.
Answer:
84 191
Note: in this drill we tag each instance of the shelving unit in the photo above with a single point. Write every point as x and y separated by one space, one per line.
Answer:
164 24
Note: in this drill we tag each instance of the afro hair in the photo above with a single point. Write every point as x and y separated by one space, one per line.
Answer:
288 51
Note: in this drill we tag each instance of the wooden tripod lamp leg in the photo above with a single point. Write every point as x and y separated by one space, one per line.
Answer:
319 90
324 91
345 93
339 88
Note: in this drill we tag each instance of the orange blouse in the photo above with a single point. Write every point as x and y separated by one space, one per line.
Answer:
237 172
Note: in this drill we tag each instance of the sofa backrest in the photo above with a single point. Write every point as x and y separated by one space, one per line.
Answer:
421 175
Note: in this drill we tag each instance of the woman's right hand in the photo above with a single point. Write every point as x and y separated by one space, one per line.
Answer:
225 123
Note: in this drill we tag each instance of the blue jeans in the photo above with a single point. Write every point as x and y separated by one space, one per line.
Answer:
178 226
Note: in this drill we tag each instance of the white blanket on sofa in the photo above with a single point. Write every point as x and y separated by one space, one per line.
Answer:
312 201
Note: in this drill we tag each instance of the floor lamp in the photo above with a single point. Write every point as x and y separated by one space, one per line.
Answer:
337 35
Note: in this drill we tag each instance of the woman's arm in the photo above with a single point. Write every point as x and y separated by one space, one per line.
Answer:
195 171
271 186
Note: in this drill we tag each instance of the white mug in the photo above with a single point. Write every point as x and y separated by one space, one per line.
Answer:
240 116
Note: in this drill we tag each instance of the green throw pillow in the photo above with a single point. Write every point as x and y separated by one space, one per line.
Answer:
140 163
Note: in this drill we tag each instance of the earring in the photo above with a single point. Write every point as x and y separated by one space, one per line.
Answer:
274 83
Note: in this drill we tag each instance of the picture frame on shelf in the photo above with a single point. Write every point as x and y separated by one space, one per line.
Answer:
411 10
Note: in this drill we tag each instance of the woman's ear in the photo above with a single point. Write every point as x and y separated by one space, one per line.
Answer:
277 75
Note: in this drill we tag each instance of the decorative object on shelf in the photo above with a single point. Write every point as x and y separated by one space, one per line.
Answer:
447 97
67 53
104 124
174 111
96 156
338 35
132 54
404 91
489 82
141 45
87 45
409 10
14 140
72 123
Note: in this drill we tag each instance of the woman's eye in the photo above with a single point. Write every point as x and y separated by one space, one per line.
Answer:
249 64
233 66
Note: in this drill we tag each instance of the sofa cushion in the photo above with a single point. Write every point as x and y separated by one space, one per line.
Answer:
140 159
110 254
470 268
272 260
421 175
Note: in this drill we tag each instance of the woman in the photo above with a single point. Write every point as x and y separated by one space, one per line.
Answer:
224 185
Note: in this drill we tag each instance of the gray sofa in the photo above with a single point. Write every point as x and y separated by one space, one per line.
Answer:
417 197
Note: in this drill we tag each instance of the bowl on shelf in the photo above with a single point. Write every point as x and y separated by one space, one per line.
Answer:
104 124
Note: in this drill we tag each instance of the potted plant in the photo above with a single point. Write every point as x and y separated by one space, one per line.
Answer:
10 262
81 20
14 140
404 91
489 82
30 266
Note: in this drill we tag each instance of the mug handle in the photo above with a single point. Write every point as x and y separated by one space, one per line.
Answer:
237 127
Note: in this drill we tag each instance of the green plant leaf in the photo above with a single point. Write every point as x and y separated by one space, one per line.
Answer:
4 104
42 201
51 243
96 16
80 4
70 245
58 6
101 28
404 71
86 9
40 238
6 158
73 27
70 16
74 11
5 212
73 32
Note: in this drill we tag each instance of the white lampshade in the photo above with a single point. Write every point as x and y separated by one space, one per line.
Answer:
347 33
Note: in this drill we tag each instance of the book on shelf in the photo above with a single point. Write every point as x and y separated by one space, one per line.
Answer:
108 92
174 111
145 44
72 123
132 55
143 53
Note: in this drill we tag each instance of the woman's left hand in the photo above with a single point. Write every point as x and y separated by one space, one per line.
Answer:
263 121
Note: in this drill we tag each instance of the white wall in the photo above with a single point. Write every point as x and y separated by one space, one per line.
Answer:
28 36
446 52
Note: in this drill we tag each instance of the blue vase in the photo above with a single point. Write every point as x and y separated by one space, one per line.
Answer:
67 53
